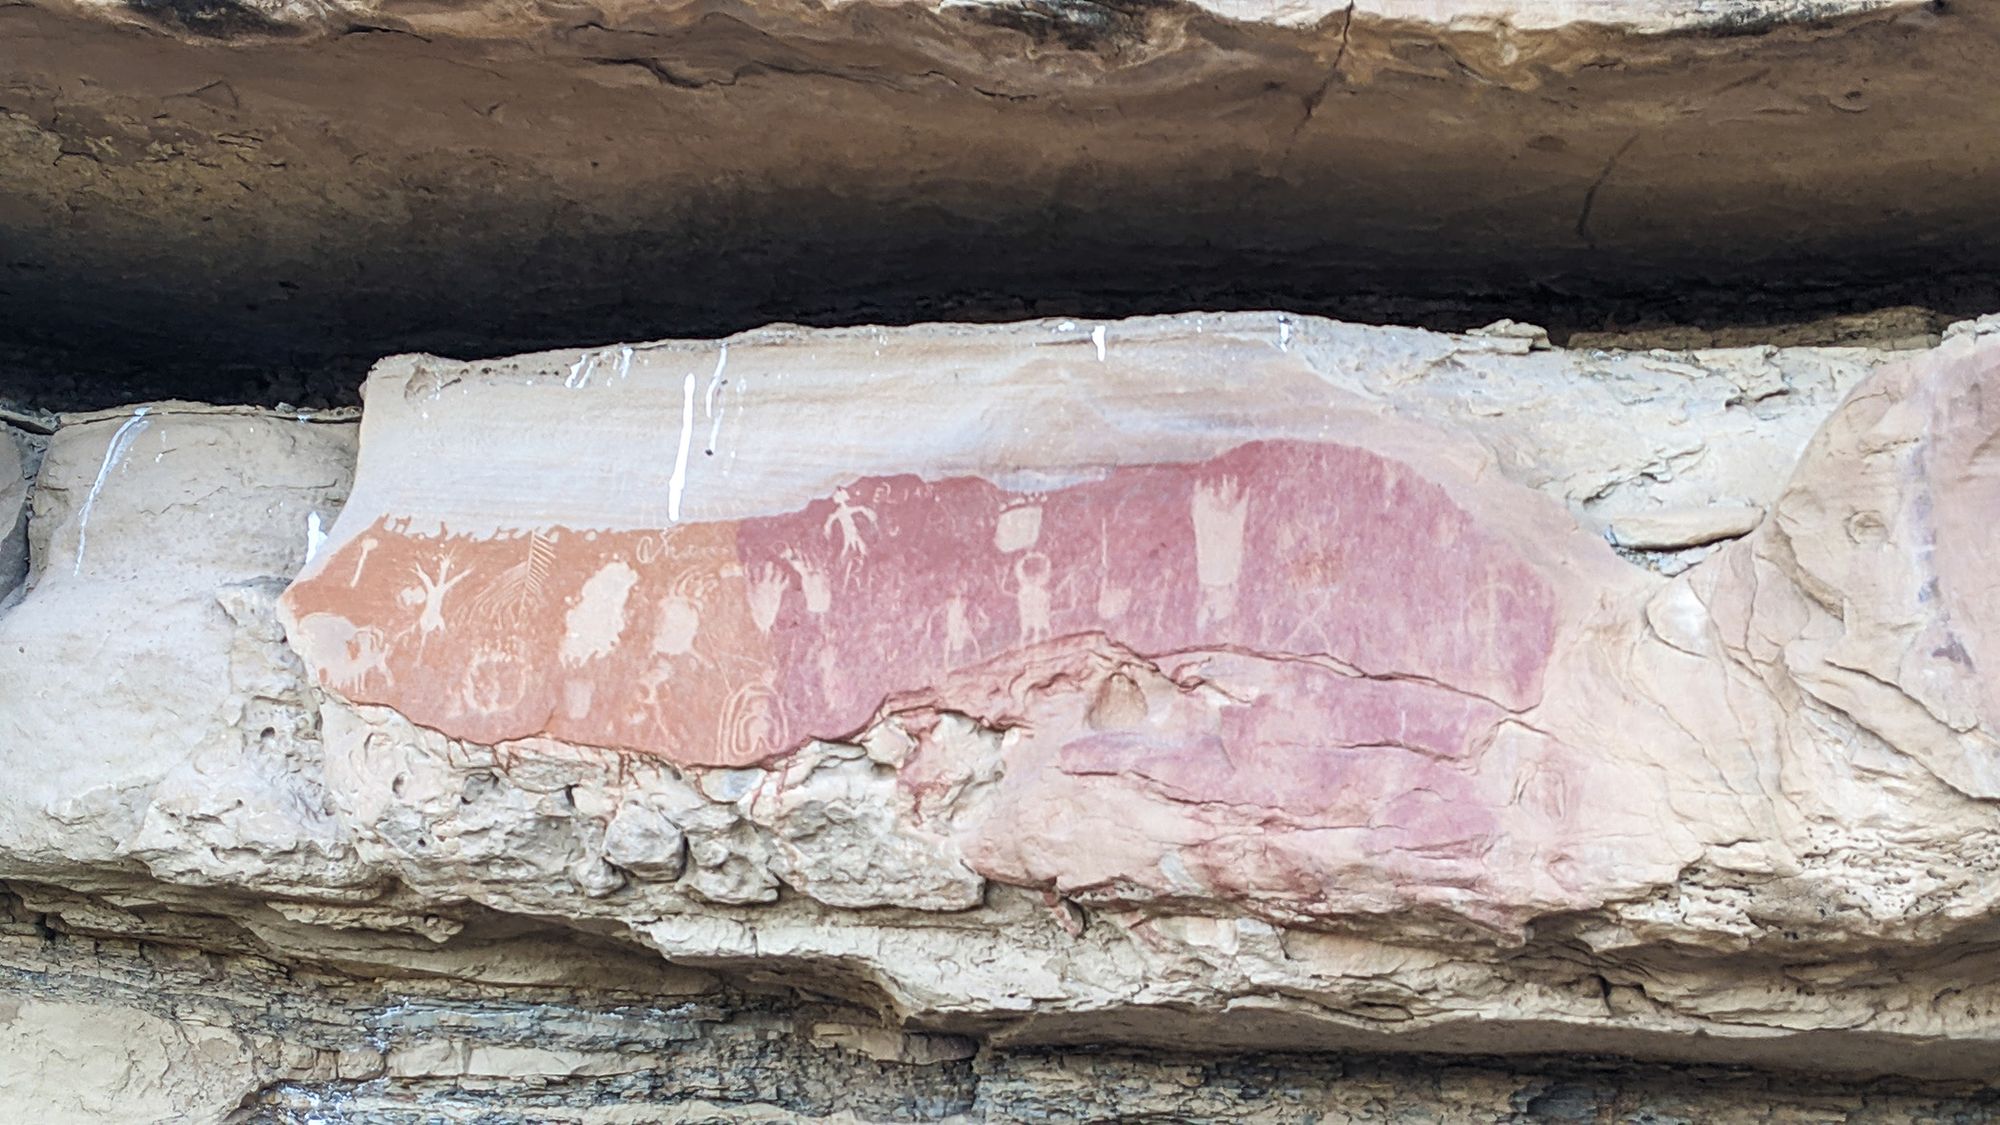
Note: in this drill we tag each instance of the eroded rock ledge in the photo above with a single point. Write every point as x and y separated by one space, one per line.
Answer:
1203 683
503 1023
253 201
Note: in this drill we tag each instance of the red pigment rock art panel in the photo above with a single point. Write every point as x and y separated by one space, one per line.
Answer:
729 643
1299 718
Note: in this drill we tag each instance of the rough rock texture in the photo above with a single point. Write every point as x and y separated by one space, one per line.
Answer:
599 1036
1193 718
1239 639
876 716
105 1028
20 455
252 200
151 710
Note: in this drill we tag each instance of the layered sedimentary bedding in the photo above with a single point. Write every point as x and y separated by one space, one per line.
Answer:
254 200
938 701
639 562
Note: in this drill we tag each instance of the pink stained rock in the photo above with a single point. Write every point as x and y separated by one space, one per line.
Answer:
1278 650
730 643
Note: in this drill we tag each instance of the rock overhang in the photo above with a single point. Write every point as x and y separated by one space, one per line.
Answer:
1239 798
262 216
1421 693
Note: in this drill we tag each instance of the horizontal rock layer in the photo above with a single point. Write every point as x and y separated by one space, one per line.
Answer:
254 200
100 1026
1204 683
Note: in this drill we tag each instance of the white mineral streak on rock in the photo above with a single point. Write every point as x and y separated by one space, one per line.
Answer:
677 484
1609 435
114 455
716 407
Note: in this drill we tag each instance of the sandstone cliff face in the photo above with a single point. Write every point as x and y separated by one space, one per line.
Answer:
994 715
869 717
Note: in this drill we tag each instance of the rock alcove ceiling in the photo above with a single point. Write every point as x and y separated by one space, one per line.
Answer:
254 201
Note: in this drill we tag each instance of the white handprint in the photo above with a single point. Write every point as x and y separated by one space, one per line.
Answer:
767 594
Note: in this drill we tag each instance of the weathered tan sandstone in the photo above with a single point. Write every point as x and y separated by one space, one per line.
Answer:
148 704
915 665
1722 805
628 1047
1050 722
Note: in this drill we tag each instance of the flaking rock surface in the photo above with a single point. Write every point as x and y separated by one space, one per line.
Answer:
953 697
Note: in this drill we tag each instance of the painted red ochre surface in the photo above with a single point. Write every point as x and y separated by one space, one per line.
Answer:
728 643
